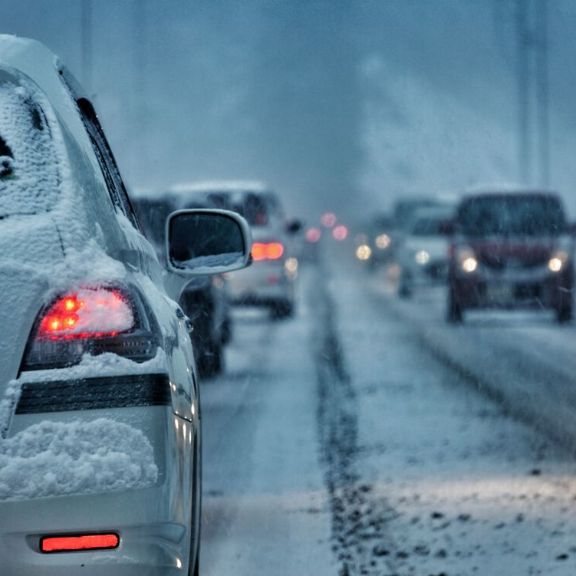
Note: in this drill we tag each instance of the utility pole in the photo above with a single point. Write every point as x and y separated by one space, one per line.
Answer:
86 32
533 92
140 65
543 92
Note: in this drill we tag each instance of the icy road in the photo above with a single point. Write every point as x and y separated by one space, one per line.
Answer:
353 440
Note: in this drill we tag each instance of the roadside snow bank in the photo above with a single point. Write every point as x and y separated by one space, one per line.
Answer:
63 458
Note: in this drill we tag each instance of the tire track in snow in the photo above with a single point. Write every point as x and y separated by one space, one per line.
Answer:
359 519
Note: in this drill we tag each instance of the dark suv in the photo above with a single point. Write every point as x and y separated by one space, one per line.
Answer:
511 250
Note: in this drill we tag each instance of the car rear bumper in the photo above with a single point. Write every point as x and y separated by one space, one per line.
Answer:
511 293
152 514
261 285
149 544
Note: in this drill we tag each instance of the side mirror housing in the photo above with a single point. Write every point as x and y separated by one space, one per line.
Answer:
206 241
293 226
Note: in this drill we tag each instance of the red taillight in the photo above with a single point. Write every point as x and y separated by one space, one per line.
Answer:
267 251
87 313
51 544
92 320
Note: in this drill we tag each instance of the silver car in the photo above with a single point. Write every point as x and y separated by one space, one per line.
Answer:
100 441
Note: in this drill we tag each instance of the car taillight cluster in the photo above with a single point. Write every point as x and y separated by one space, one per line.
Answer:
267 251
91 320
88 313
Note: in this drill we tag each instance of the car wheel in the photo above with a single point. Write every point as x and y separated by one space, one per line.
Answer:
282 309
405 290
226 331
565 311
211 360
455 311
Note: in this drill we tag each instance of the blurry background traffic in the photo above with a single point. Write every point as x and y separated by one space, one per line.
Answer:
340 105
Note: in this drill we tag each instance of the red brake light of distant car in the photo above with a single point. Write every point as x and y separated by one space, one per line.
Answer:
86 542
340 233
267 251
91 320
313 235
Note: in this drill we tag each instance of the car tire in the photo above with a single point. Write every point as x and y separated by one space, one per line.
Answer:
405 290
211 360
455 311
565 311
282 309
226 331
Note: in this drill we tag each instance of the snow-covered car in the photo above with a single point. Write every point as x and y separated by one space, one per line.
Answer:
100 440
511 249
423 255
270 280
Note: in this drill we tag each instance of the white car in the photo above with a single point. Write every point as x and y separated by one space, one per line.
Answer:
423 253
100 441
270 280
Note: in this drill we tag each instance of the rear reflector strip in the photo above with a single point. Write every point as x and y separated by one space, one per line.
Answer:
86 542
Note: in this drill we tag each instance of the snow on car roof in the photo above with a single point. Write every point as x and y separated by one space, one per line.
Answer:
505 188
221 186
57 186
29 169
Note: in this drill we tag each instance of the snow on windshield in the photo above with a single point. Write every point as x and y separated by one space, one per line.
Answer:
29 179
57 458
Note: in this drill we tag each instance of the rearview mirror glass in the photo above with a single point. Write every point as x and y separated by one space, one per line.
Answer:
207 241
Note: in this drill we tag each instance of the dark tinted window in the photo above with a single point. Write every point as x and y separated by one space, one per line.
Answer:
254 207
520 215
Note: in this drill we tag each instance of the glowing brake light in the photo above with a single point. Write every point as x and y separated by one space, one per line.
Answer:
267 250
87 313
51 544
92 320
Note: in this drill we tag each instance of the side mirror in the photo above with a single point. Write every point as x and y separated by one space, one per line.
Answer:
203 241
293 226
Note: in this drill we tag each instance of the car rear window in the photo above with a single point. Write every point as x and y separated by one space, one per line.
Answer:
29 174
518 215
254 207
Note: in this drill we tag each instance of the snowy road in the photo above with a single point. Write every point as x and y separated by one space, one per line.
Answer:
336 443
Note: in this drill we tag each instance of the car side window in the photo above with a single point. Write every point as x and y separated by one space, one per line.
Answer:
106 160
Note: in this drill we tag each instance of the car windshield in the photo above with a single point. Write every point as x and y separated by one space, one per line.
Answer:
512 216
29 177
428 226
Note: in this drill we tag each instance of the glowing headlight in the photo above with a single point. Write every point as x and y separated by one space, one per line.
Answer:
558 261
467 260
382 241
363 252
469 264
291 265
422 257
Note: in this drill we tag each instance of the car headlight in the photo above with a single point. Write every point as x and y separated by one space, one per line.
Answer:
468 261
422 257
363 252
558 261
383 241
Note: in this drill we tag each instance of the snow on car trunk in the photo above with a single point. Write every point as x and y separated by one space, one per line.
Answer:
57 458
